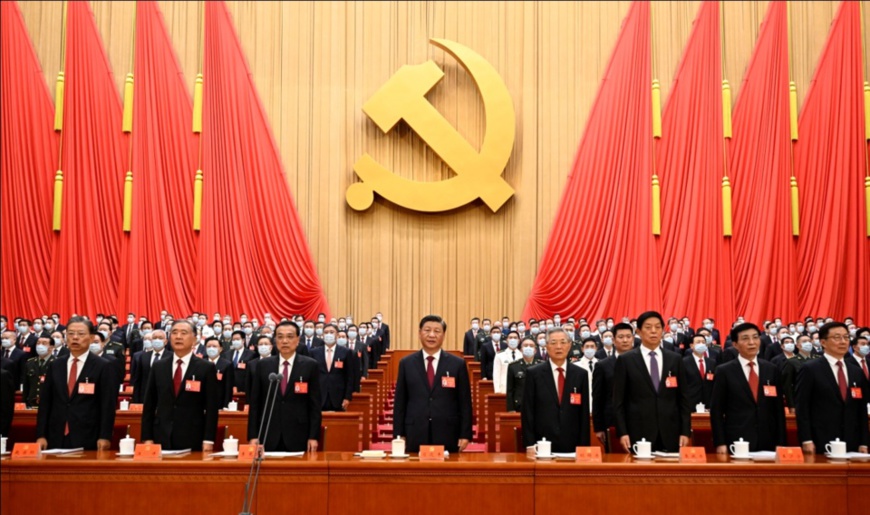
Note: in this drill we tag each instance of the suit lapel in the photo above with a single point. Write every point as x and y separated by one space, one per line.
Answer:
744 381
550 381
640 362
829 378
421 366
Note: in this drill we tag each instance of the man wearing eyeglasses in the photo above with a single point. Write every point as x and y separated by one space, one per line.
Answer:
832 396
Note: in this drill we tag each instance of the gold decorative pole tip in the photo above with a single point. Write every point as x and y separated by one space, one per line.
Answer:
360 196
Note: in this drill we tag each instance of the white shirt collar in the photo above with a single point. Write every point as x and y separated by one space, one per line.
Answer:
436 355
832 360
745 362
185 358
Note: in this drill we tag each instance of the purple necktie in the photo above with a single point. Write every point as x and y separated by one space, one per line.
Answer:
654 371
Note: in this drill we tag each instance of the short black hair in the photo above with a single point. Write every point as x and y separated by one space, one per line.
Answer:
288 323
212 339
825 329
433 318
647 315
739 328
588 340
622 326
240 333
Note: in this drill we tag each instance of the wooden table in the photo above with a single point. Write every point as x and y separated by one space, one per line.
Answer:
486 483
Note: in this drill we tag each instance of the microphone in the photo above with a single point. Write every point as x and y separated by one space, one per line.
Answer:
249 499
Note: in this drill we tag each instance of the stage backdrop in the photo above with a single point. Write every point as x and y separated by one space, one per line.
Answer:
316 63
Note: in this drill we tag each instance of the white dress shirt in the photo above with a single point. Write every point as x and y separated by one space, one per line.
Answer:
832 361
290 360
81 364
589 366
500 367
185 363
698 363
744 364
435 361
658 352
555 372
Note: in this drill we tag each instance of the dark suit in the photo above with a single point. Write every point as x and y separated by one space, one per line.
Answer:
7 401
641 412
436 416
240 374
822 414
487 356
699 389
516 379
310 343
297 416
225 379
15 364
603 354
27 343
139 379
337 383
91 417
185 420
735 414
471 343
602 394
545 415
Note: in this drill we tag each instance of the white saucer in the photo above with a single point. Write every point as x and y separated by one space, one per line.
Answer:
550 457
398 456
650 457
735 457
837 456
124 455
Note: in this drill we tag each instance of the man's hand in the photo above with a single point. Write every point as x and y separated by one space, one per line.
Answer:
862 448
344 404
722 449
600 435
626 443
207 447
312 445
42 443
684 441
254 442
463 443
810 448
103 445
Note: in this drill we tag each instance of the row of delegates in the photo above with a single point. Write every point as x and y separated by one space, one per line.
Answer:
14 358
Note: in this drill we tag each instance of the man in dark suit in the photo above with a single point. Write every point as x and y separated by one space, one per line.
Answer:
295 424
556 399
224 369
26 340
488 351
78 398
700 372
15 357
747 397
861 353
182 397
336 371
473 338
602 381
309 339
384 331
7 400
432 404
239 356
145 362
831 396
649 397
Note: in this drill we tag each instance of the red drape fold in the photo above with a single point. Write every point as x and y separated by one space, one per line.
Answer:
28 161
253 253
159 259
617 275
84 278
763 249
695 257
833 250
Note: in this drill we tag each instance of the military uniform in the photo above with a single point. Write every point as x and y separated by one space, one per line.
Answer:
34 375
576 352
116 351
516 379
789 376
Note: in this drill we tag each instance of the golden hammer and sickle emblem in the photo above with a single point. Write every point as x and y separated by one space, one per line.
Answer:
478 174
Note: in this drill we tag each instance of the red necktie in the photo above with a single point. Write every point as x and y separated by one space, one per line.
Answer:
177 378
561 382
864 366
73 371
701 367
430 371
286 377
753 381
841 379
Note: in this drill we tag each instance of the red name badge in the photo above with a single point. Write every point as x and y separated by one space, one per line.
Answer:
247 452
448 382
128 389
26 349
41 379
191 386
242 365
710 376
220 377
198 355
25 451
693 455
86 388
588 454
299 387
856 393
431 453
339 364
20 406
769 390
359 354
147 451
137 407
576 399
671 382
789 455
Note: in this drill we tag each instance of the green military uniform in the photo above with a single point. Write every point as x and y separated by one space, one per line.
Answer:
34 375
516 379
575 353
789 375
114 349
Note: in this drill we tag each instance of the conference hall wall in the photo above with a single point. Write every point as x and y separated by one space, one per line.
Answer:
316 63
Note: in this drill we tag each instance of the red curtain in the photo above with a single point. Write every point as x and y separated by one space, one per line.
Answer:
834 252
253 254
28 161
618 275
84 278
158 266
695 257
763 249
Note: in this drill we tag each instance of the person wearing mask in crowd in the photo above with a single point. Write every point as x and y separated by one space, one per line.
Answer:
502 361
101 348
490 348
830 396
791 367
516 373
602 382
606 349
309 339
224 369
700 372
473 339
341 340
78 399
542 346
860 351
144 363
335 371
588 362
35 370
650 400
60 348
787 351
13 357
556 399
26 340
746 402
359 350
239 355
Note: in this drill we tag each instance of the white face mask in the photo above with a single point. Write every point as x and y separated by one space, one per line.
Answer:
7 343
146 344
157 344
495 337
475 326
513 343
351 334
319 331
342 342
212 352
607 341
309 332
521 328
236 344
264 350
363 331
95 348
42 350
542 342
329 338
589 353
58 342
487 327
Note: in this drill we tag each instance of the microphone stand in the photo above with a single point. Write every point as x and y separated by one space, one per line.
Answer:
248 501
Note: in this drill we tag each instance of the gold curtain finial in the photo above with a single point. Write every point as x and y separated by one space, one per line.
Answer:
656 206
197 201
726 206
197 104
795 209
656 109
128 201
127 124
793 110
726 109
58 201
58 102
